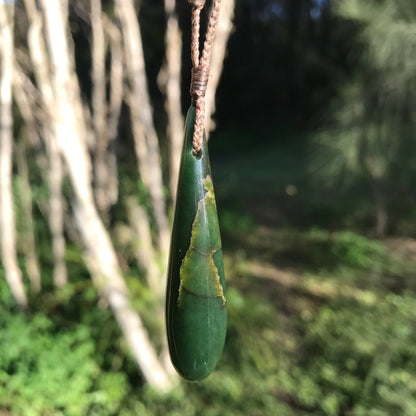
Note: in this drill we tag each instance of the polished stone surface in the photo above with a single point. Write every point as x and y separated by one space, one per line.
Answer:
196 311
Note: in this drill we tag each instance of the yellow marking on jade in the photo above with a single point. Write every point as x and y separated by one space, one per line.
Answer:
200 259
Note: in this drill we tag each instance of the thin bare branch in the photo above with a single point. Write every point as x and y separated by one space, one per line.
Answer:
219 48
99 109
170 82
40 63
25 194
146 141
7 217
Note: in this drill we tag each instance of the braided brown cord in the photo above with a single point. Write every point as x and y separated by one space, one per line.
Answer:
200 67
209 37
196 17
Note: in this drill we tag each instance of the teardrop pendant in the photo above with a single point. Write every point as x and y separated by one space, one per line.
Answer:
196 311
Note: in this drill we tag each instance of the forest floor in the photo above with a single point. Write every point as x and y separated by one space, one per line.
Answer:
338 323
321 314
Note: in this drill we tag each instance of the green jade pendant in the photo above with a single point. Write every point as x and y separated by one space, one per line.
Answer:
196 309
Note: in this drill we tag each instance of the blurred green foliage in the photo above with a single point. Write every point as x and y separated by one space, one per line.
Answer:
45 369
328 340
363 357
369 137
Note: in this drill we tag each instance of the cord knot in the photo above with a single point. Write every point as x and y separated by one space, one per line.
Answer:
199 82
199 4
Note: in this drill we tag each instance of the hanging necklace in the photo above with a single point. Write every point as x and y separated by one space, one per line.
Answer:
196 309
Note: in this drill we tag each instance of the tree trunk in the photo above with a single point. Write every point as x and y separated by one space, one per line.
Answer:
145 252
7 219
116 101
170 82
146 141
30 136
56 212
147 259
99 111
29 244
102 257
39 58
219 47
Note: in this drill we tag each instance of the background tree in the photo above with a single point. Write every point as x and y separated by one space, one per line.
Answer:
374 121
8 224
